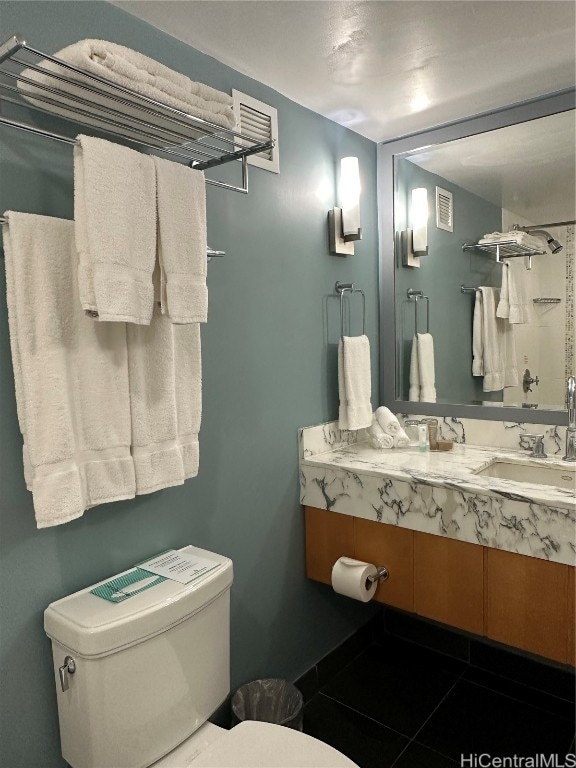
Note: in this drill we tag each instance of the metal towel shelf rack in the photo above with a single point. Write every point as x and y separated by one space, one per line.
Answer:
156 125
341 289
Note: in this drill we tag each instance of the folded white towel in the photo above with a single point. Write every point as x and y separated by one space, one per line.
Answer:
71 376
164 363
387 420
414 392
181 193
354 382
130 69
426 370
515 235
115 217
378 437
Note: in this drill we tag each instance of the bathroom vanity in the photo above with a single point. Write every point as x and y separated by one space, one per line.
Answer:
481 538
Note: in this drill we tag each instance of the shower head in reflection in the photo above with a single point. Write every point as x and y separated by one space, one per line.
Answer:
553 244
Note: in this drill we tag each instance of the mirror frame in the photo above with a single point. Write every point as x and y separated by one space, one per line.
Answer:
548 105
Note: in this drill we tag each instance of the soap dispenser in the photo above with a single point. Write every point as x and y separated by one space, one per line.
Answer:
423 443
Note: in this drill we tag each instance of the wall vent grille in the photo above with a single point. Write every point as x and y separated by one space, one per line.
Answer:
258 121
444 210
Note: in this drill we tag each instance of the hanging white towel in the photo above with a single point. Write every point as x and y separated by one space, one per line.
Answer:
503 308
71 376
115 217
181 193
164 363
426 369
518 307
492 342
414 392
478 336
130 69
354 382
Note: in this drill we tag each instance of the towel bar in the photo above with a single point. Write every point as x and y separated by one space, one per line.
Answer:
210 252
414 295
341 289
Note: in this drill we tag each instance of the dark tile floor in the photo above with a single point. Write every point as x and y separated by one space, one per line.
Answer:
396 703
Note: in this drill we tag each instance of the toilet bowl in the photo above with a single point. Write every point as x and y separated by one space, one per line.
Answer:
138 679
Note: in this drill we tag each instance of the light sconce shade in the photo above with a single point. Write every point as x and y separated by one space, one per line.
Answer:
419 215
414 241
344 223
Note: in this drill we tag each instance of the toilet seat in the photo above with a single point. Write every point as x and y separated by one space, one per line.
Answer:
254 744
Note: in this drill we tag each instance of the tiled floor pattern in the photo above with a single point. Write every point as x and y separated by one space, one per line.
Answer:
399 704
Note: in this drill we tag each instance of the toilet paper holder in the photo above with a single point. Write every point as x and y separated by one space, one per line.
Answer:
380 575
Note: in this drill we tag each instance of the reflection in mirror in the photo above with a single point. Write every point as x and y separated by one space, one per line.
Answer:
512 343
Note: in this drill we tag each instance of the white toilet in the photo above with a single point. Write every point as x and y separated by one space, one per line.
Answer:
137 681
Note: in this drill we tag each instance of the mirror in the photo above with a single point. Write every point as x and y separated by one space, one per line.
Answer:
482 176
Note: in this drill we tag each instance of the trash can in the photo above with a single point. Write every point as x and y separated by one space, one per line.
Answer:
270 701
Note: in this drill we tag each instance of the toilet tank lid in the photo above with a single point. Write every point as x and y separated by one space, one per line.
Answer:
89 625
263 745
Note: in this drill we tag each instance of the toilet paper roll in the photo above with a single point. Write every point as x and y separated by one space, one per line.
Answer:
350 578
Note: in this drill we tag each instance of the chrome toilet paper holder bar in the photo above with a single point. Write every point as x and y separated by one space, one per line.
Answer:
380 575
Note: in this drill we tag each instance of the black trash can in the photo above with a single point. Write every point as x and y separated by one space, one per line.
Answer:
270 701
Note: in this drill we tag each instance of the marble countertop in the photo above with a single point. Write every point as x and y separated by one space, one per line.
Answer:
447 469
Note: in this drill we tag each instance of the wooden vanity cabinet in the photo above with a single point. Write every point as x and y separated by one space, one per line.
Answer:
530 604
521 601
449 581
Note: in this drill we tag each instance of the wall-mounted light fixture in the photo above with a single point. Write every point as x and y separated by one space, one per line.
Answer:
344 223
415 238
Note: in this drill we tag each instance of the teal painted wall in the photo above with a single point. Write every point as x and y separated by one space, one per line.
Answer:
269 367
441 273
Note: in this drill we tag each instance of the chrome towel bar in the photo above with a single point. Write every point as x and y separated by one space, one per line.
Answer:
341 289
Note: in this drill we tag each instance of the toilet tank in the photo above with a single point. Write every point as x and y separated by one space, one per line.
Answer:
149 670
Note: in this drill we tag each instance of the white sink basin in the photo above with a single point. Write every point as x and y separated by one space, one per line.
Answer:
537 474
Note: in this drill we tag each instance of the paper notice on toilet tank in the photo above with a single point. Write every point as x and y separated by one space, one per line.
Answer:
179 566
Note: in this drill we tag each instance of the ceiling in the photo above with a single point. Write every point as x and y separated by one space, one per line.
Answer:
384 68
528 168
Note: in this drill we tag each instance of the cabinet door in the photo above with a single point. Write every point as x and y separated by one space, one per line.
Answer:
571 658
392 547
329 535
527 603
449 581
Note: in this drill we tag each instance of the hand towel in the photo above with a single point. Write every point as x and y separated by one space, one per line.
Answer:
71 376
414 392
401 440
503 308
354 382
492 341
181 194
115 216
518 307
377 436
512 305
130 69
164 363
387 421
478 336
426 370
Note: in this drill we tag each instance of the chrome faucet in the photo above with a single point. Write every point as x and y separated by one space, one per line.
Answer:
571 429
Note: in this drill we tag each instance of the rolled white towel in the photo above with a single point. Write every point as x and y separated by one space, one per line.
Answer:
388 421
401 440
378 438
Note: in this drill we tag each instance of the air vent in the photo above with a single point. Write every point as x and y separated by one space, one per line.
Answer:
444 210
259 121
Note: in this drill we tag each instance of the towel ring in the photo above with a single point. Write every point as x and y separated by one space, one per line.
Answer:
414 295
341 289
